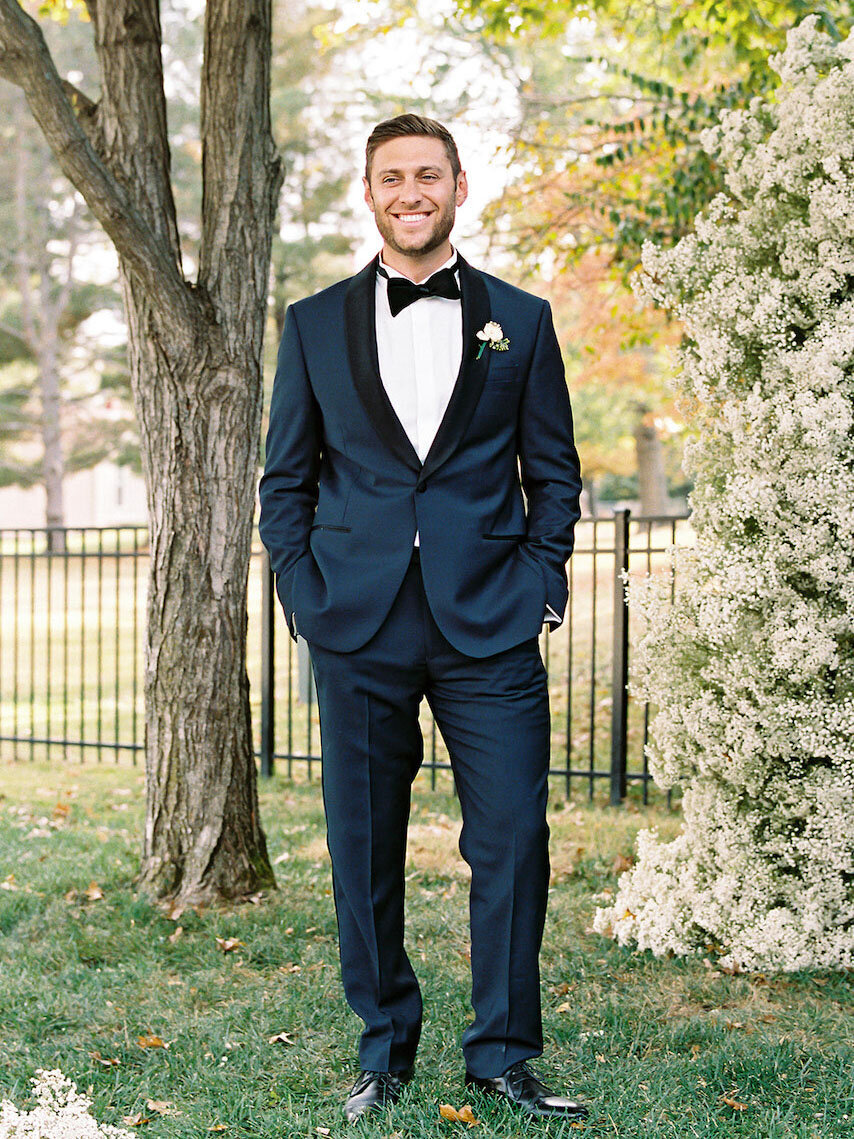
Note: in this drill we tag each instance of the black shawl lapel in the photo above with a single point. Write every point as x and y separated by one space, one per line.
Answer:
361 332
472 373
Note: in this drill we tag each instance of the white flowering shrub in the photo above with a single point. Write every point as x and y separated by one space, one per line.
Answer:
61 1112
752 668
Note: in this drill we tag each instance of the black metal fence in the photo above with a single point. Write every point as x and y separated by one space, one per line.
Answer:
71 635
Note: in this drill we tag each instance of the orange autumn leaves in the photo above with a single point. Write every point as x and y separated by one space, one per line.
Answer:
463 1115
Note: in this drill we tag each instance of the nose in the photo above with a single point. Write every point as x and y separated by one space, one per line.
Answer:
410 193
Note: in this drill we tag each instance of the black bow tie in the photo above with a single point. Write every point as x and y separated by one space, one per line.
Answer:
402 292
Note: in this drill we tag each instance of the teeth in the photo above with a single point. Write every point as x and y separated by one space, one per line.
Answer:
410 219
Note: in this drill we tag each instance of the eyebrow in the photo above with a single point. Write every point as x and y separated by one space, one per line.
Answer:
420 170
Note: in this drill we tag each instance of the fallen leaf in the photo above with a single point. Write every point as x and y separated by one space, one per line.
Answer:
136 1120
60 811
621 863
280 1038
162 1107
227 944
176 933
93 892
174 911
564 1007
464 1115
219 1127
9 883
322 1131
70 895
734 1104
107 1063
150 1041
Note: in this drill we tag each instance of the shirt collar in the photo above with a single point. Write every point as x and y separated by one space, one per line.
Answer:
451 263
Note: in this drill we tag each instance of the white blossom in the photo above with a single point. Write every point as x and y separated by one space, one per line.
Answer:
61 1113
751 669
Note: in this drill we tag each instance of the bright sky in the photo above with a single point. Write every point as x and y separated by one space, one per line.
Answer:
397 64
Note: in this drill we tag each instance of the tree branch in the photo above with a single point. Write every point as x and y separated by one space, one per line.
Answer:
129 44
241 169
15 334
25 60
87 115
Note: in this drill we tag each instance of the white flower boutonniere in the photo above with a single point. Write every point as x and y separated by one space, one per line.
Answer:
492 336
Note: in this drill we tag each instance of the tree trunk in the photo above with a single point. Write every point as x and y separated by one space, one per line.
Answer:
41 334
195 361
203 838
652 483
53 466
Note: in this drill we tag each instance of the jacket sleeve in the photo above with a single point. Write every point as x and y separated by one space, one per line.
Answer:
549 466
289 486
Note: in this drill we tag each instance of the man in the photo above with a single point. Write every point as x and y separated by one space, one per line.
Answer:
407 401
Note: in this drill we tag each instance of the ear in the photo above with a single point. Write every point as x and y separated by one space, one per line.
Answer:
368 196
462 188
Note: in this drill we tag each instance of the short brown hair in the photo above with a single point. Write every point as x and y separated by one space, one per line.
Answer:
403 125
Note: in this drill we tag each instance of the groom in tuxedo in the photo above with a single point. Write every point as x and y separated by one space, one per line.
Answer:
418 502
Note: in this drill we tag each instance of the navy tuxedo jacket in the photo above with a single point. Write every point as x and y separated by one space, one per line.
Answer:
343 490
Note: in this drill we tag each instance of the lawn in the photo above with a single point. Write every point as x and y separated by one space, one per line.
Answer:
168 1019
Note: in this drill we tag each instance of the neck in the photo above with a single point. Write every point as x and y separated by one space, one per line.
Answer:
418 266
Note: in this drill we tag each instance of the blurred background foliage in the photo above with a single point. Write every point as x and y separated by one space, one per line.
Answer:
582 119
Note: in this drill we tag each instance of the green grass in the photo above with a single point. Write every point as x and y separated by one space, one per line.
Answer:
655 1046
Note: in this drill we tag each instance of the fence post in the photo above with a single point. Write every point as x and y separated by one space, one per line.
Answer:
267 665
620 659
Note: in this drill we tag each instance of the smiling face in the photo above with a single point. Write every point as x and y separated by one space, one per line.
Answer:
414 196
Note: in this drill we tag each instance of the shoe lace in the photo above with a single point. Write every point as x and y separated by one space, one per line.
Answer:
521 1070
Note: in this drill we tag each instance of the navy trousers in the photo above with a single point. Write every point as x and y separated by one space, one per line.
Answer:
493 714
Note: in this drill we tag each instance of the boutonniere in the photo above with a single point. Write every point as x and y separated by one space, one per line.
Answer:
492 336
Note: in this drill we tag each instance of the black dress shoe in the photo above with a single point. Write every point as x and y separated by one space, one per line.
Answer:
519 1085
373 1091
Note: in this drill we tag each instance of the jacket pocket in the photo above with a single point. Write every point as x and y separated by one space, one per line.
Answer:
503 374
324 526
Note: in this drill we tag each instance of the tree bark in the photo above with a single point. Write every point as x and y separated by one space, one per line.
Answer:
195 361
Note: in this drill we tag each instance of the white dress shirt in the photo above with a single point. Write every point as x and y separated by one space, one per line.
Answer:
419 353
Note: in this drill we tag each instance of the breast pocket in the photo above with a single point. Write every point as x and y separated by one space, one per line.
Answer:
503 374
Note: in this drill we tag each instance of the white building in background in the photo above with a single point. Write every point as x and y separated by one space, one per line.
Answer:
105 495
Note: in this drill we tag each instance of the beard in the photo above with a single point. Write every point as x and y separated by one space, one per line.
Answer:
422 244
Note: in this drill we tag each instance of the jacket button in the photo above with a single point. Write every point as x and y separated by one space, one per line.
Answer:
421 487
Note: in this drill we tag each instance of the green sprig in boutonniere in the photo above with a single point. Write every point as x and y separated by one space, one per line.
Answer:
492 336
